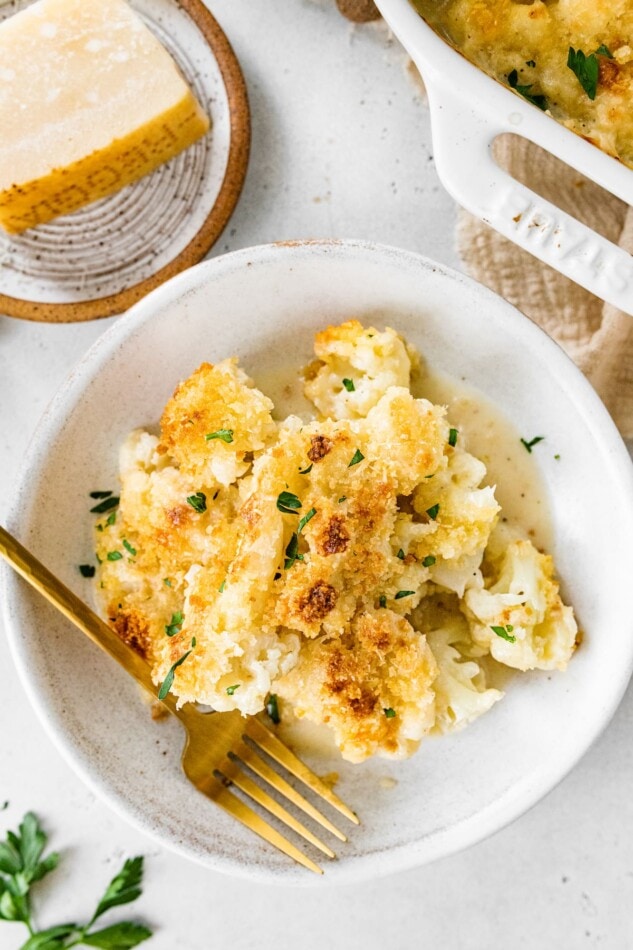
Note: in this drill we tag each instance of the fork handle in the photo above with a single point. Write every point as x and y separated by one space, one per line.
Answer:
76 611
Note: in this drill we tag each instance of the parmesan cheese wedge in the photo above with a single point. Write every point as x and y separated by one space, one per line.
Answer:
90 101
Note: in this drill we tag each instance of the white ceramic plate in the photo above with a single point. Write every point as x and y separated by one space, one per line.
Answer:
264 305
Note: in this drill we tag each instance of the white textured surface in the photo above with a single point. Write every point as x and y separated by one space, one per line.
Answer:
560 876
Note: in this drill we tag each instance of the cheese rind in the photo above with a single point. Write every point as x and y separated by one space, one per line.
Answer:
90 101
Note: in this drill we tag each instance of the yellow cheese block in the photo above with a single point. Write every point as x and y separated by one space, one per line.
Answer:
89 102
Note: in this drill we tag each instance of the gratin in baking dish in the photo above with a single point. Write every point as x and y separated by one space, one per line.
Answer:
468 111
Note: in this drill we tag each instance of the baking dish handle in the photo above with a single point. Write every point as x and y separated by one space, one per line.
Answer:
462 141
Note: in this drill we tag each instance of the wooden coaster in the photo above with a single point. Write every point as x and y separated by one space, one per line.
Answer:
100 260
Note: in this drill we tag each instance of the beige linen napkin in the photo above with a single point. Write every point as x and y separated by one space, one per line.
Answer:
598 337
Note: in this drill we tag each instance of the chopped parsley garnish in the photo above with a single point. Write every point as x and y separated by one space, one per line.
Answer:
532 442
110 520
382 600
356 458
106 505
557 457
226 435
428 561
272 708
404 593
128 547
389 713
169 679
288 503
100 494
307 517
222 586
537 100
400 554
114 555
433 511
342 499
87 570
292 552
452 437
505 632
306 471
167 581
231 689
193 641
349 385
198 501
586 69
604 51
175 625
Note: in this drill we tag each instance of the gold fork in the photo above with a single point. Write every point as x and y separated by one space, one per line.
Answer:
218 745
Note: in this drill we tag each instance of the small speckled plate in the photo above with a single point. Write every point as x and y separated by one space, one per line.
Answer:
267 303
103 258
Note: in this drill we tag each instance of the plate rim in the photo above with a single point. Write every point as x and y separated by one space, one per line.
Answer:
214 223
521 797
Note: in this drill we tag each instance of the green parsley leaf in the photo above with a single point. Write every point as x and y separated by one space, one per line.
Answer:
169 679
537 100
586 69
121 936
557 457
292 552
404 593
110 520
400 554
432 512
305 471
356 458
167 581
389 713
428 561
452 437
87 570
226 435
175 625
231 689
532 442
51 939
198 501
193 641
382 600
100 494
307 517
128 547
222 586
342 499
349 385
504 633
604 51
105 505
114 555
124 887
272 708
288 503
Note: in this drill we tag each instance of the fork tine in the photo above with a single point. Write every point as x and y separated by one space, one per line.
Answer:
268 774
269 742
220 794
231 770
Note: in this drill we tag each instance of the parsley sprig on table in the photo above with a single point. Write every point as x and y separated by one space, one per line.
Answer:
22 865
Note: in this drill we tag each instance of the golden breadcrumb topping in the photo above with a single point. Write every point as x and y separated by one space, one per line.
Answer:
249 557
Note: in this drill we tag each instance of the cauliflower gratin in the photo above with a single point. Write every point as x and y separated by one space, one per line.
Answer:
350 565
572 59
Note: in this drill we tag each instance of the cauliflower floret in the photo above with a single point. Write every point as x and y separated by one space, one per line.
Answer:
520 617
451 521
355 367
461 695
214 420
373 687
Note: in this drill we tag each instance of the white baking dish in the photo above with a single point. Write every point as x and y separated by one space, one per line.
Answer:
468 111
